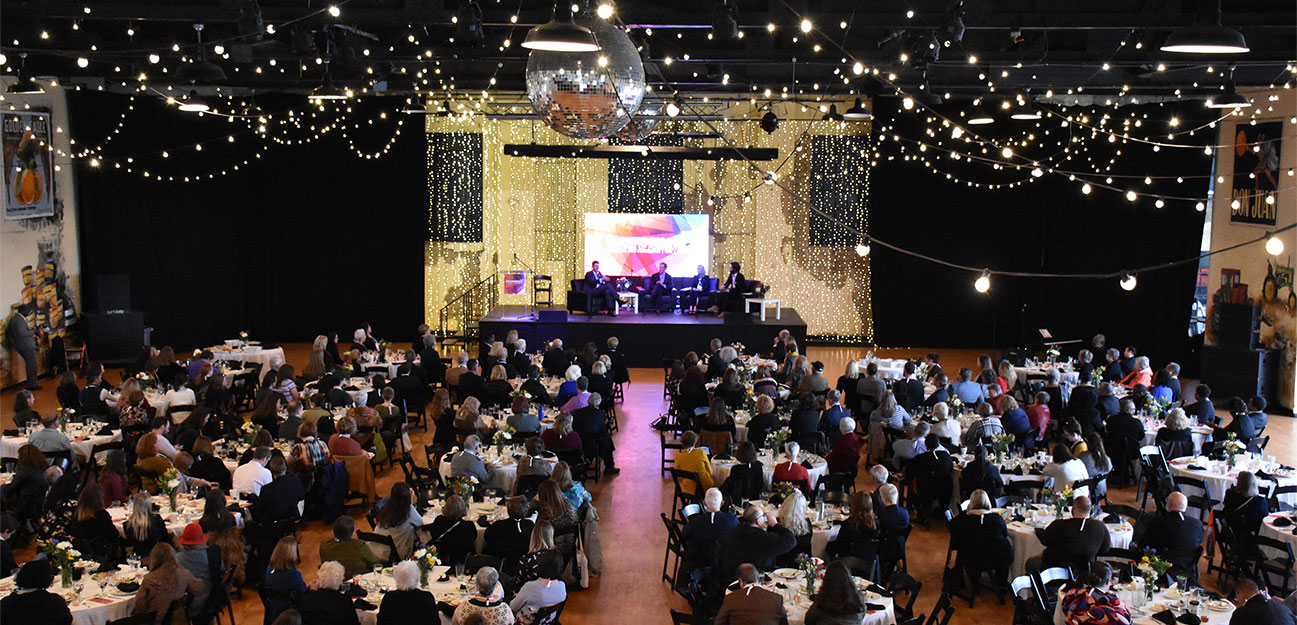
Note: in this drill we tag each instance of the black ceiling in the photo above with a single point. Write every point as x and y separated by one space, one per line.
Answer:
1019 44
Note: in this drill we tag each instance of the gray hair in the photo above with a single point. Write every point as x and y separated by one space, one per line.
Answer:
330 575
847 425
879 472
471 442
594 400
358 335
573 372
715 344
407 575
728 354
598 368
713 498
461 358
613 342
834 396
793 449
430 340
1141 362
1176 419
487 578
941 410
520 345
888 494
922 429
747 573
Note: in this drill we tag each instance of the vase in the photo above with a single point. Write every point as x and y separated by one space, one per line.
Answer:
1149 587
423 577
810 587
171 499
499 449
65 575
1232 459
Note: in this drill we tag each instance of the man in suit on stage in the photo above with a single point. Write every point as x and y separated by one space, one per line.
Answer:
598 285
659 285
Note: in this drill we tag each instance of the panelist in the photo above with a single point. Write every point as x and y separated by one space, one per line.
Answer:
598 285
734 287
696 292
659 284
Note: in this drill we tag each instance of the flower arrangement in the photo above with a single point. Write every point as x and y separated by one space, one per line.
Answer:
1062 499
1096 376
778 437
169 484
783 490
1157 407
1151 567
520 393
738 347
956 405
250 431
463 485
761 289
1052 354
1233 447
502 438
145 380
426 559
811 568
62 555
921 371
65 415
1002 441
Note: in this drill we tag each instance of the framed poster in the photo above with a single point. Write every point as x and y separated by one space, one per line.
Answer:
28 163
1256 173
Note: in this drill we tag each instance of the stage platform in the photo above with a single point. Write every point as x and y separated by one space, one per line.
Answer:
648 337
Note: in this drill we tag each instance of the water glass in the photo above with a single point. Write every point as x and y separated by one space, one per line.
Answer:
459 569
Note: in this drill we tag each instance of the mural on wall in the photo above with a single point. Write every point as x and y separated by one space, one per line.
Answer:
1256 173
28 162
47 309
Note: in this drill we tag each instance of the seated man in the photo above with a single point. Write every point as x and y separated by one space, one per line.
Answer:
907 449
467 462
758 539
1175 535
1255 607
599 288
279 499
592 424
354 555
750 604
658 287
1074 542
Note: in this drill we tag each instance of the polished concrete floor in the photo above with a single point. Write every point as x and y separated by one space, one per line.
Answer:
631 531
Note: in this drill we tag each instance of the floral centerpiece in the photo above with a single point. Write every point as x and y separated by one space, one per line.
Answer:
1151 567
146 380
243 338
250 432
169 484
921 372
956 405
811 568
760 289
519 393
782 491
778 437
1233 447
1096 375
738 347
426 559
750 402
1002 441
383 347
1062 499
1156 407
65 415
62 555
463 485
1051 354
502 437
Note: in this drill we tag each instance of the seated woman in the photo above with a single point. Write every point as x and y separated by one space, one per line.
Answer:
1175 438
1141 374
536 595
150 464
1162 390
1244 507
216 517
946 427
31 601
324 604
113 478
509 538
408 603
442 416
92 530
538 461
309 453
765 383
452 535
143 528
763 422
858 538
718 427
521 417
543 560
399 519
981 474
165 583
794 517
555 508
282 574
534 387
730 390
1091 602
747 478
1096 461
574 492
982 540
342 443
837 600
487 605
693 459
561 438
1065 469
68 394
567 390
498 387
468 420
601 382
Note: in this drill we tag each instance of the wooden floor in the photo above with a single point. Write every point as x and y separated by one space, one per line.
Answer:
631 532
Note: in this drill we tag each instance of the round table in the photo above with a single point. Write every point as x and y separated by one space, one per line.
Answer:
1066 375
189 509
1200 433
888 368
503 468
269 359
1285 534
1219 477
89 608
492 510
796 603
1022 536
83 441
824 528
1133 596
721 468
1025 464
454 590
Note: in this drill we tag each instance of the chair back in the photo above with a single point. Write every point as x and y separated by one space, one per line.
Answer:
388 552
275 601
1049 581
901 582
476 561
943 611
690 510
548 615
140 618
1277 504
1131 513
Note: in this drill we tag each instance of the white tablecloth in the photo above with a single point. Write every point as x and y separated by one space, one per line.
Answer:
1201 434
190 509
721 469
888 368
1219 477
1022 536
504 470
82 445
796 603
270 359
491 509
1066 376
378 583
1143 614
108 605
1284 534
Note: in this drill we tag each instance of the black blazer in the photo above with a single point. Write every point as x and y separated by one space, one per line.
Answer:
327 607
1262 610
278 500
1175 536
1073 542
1204 410
406 606
749 544
736 283
661 276
1244 514
593 280
508 538
471 385
909 393
760 426
538 392
700 283
555 363
454 539
212 469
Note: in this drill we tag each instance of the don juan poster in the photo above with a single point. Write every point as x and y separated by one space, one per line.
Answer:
29 165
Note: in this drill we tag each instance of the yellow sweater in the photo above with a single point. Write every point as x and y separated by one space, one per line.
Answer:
695 460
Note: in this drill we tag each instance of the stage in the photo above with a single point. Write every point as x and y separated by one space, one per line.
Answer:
648 337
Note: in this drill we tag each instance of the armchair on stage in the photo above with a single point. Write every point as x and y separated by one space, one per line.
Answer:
578 300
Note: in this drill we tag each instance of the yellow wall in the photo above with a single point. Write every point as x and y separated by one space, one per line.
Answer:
534 207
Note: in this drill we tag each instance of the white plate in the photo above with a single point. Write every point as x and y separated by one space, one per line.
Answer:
786 573
1220 605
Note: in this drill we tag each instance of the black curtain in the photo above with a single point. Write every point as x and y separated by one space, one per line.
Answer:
303 240
1043 226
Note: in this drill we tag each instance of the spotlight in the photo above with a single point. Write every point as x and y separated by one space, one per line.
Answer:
672 109
334 11
468 26
858 112
862 250
725 25
1206 37
983 282
561 35
806 25
1128 282
1274 245
770 122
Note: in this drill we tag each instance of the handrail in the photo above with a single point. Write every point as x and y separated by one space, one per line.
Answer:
469 305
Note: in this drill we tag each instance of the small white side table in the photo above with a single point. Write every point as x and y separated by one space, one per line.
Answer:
762 303
629 297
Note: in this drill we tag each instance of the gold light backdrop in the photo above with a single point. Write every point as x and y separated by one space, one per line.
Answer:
534 207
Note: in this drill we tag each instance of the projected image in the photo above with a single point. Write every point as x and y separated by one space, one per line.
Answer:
633 244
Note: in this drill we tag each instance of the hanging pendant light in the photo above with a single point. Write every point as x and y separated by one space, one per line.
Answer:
24 85
1207 37
858 112
561 35
1230 99
192 103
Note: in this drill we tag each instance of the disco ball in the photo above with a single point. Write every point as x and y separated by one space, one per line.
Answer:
640 126
587 95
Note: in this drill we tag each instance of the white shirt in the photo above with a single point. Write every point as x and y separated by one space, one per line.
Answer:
1066 474
948 428
166 448
182 397
249 478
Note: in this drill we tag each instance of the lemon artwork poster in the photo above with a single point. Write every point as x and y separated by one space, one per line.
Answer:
28 163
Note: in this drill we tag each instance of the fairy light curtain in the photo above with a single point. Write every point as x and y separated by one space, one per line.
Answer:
638 185
455 187
534 208
839 187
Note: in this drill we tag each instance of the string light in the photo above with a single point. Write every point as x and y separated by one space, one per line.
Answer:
1128 282
1274 245
983 282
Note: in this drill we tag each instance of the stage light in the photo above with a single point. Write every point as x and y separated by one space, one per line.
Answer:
1274 245
862 250
1231 99
1207 37
1026 112
1128 282
328 91
561 35
770 122
983 282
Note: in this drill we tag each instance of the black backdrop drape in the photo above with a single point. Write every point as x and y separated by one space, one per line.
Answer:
1045 226
307 239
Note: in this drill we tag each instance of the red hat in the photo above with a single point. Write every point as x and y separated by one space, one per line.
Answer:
193 535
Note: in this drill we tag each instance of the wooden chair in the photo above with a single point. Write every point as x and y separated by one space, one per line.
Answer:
382 540
1028 608
674 547
1201 500
902 583
1280 565
681 497
548 615
684 618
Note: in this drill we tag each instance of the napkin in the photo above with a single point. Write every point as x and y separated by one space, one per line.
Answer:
90 587
875 607
106 431
482 521
879 590
128 586
807 464
361 604
1014 471
1035 471
1112 519
1188 619
1165 616
1265 476
1194 467
1282 521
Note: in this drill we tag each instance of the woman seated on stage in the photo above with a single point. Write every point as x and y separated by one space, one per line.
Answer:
700 286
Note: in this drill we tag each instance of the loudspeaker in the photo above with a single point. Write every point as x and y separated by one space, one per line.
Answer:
113 338
113 292
552 316
1242 372
1237 325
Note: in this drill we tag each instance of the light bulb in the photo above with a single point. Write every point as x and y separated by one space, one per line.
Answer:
907 103
1200 207
1130 196
1007 152
1085 188
807 25
1274 245
335 11
1128 282
604 11
983 282
862 249
672 109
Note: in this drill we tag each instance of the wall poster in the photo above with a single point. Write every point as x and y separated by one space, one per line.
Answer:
28 163
1256 173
